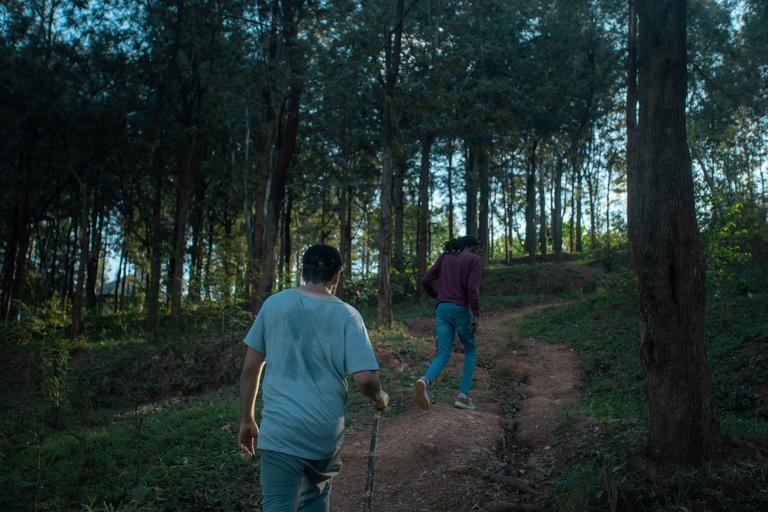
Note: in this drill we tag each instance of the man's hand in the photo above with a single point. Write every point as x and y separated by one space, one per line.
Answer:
473 326
381 401
248 437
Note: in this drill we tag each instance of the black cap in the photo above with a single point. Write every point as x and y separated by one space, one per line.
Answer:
322 255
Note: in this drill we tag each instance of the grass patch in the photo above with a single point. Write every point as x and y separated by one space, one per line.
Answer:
608 468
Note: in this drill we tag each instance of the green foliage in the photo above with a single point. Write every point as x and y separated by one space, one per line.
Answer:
724 252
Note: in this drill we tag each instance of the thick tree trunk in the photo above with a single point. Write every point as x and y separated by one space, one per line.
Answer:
684 424
421 250
530 205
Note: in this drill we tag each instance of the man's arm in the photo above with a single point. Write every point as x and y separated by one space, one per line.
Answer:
369 385
432 274
249 388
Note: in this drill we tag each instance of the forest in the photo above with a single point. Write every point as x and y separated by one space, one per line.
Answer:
166 163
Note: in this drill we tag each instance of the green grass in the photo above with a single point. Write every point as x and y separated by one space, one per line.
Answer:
73 438
181 456
609 468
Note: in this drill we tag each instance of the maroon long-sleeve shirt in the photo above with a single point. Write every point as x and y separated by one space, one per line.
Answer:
459 280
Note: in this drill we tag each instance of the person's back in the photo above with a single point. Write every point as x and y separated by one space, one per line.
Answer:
457 305
308 340
309 344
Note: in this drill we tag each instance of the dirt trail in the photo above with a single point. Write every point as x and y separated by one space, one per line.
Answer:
422 456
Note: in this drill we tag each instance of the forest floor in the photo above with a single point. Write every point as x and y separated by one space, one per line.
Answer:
446 458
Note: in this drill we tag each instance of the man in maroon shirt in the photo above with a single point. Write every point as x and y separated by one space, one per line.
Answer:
458 309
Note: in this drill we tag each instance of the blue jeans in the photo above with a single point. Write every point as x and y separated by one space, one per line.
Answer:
281 476
451 320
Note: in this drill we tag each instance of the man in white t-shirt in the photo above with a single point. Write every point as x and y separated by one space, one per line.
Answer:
308 340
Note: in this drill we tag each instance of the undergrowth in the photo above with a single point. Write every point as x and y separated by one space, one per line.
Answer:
606 431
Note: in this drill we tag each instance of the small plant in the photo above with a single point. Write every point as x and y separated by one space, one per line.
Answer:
724 253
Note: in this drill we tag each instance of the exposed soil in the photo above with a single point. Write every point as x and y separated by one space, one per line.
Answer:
433 460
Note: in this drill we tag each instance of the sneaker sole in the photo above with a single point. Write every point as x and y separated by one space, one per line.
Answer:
422 396
461 405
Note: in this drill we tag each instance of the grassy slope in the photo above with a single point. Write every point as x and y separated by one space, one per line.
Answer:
107 447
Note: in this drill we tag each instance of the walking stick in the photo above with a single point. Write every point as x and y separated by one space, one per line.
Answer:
371 455
434 383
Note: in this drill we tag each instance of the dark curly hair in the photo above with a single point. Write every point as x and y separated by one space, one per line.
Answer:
456 245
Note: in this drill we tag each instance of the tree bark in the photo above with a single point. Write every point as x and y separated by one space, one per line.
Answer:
392 42
182 214
421 251
77 301
484 210
271 191
530 205
542 212
471 185
557 211
449 185
155 257
631 144
398 197
684 423
343 210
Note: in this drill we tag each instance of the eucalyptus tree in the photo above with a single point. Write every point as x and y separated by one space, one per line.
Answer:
32 55
684 423
63 72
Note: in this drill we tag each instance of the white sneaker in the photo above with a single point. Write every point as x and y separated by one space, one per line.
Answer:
464 402
422 393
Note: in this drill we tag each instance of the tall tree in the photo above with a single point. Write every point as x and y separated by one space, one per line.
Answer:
684 424
392 46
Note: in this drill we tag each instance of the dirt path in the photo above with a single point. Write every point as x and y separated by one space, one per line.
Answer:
422 456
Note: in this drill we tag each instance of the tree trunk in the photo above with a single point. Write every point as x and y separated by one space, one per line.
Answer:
631 144
343 210
273 191
182 214
77 301
557 211
421 251
484 179
684 423
156 251
392 42
530 205
578 213
398 193
542 212
94 255
471 181
449 185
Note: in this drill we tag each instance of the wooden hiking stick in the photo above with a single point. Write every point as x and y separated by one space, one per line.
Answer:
434 383
371 455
